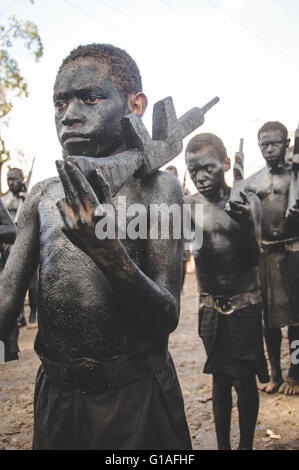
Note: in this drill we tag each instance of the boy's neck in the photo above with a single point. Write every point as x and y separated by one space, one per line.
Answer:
221 194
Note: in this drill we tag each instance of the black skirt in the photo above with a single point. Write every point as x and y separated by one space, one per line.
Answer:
234 343
147 415
279 278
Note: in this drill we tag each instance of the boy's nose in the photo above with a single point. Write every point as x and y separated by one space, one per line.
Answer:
201 176
270 147
73 114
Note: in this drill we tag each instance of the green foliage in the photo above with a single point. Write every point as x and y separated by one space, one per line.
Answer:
12 83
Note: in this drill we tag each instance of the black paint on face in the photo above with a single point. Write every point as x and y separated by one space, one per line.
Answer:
273 147
206 172
88 109
14 182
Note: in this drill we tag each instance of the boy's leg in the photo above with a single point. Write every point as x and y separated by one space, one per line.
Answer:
248 405
222 407
33 294
291 384
273 341
21 319
33 298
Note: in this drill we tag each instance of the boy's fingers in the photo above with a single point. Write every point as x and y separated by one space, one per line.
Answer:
71 192
67 220
294 211
245 198
235 206
81 184
102 186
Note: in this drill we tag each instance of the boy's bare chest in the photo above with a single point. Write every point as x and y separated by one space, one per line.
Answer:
56 248
219 229
271 187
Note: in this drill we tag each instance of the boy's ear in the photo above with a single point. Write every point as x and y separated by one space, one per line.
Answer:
226 164
137 103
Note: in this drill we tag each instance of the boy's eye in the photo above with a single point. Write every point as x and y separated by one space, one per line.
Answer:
91 99
60 105
209 169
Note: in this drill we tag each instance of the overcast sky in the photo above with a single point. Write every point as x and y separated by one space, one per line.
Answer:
244 51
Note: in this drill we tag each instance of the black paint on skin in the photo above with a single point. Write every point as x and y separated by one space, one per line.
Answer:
97 299
8 234
13 201
14 197
226 265
7 227
84 128
271 184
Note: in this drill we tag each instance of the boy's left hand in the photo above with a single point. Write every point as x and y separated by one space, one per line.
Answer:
81 209
241 212
293 212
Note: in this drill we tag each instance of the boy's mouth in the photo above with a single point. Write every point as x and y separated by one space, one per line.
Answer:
72 137
204 189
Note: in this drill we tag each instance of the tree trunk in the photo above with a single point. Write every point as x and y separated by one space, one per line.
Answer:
1 166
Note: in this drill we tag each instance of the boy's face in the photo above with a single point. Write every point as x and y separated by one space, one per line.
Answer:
273 147
88 109
206 172
14 182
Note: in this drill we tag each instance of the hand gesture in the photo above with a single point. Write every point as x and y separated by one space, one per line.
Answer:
241 212
82 208
293 212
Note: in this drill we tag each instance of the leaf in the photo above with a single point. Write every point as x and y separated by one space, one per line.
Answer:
272 435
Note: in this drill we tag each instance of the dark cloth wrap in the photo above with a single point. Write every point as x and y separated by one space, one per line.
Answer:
138 408
234 343
279 278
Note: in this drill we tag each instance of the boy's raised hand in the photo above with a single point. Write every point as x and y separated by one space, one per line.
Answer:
82 208
241 212
293 212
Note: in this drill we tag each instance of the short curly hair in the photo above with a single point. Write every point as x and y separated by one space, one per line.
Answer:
16 170
172 169
206 141
274 126
122 67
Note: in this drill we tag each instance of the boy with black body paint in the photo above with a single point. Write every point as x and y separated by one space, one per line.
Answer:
8 234
230 321
279 261
106 307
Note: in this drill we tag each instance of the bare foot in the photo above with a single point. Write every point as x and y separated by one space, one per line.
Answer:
270 387
290 386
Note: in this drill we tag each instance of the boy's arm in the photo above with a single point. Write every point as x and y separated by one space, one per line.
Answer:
248 216
151 297
21 264
7 227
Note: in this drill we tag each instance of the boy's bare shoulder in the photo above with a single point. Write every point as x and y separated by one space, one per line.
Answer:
252 182
163 187
38 191
41 188
196 198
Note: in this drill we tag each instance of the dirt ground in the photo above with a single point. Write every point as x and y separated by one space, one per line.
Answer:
278 413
